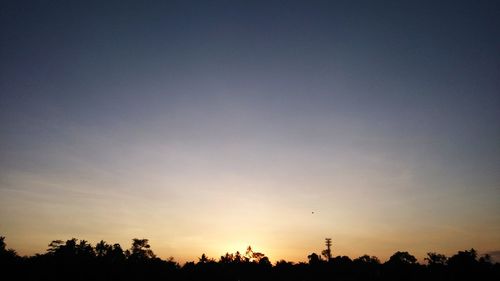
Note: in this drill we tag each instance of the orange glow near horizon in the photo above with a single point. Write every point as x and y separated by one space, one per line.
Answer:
222 218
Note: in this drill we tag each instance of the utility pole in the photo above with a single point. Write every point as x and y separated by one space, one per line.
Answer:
328 251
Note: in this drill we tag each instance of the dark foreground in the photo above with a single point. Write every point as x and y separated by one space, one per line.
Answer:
78 260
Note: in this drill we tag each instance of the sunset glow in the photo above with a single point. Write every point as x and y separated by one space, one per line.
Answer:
209 127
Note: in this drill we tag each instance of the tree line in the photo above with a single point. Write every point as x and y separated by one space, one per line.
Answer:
75 259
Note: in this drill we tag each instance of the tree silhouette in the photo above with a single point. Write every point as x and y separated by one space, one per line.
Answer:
402 258
401 266
203 259
366 259
237 257
55 246
434 259
141 250
75 259
227 258
6 255
464 264
102 249
314 258
117 253
252 256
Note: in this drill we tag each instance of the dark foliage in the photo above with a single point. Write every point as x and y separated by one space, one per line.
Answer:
78 260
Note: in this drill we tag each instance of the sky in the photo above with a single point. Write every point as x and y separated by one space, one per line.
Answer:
208 126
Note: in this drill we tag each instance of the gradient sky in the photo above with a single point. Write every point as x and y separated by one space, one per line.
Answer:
208 126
